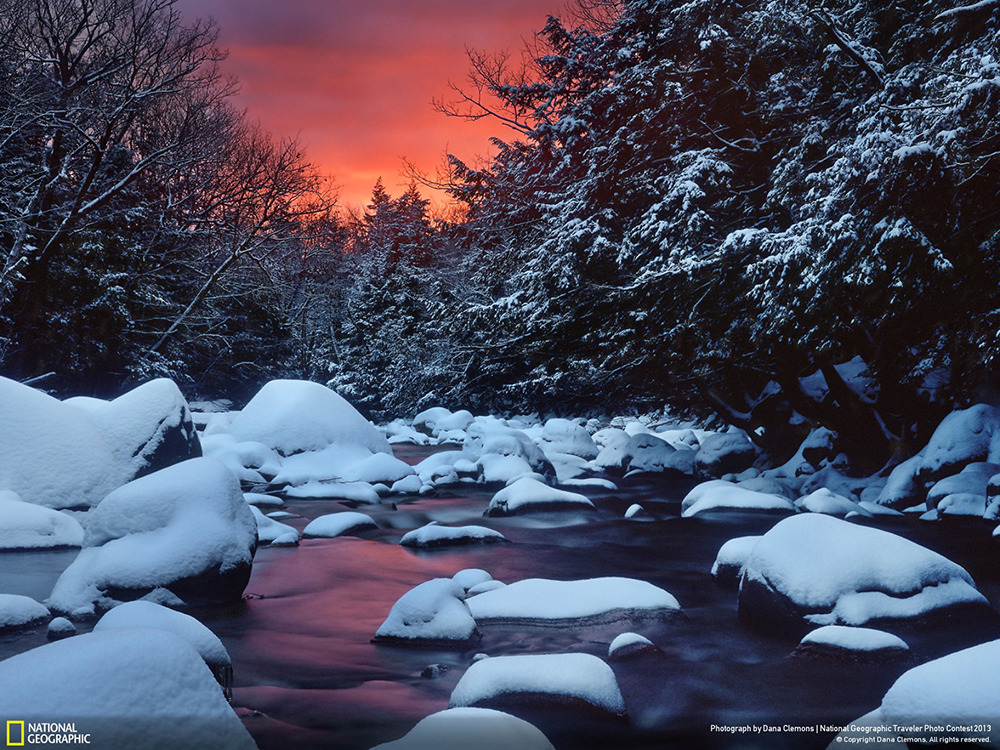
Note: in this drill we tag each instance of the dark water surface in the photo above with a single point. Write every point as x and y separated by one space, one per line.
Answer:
307 675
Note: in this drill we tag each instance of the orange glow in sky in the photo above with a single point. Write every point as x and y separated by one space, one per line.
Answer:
354 80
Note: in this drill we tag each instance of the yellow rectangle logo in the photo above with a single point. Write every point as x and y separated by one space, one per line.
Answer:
10 740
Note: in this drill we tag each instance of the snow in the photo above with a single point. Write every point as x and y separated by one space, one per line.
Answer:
18 611
438 419
636 511
434 535
725 452
835 572
629 644
958 690
263 501
717 494
566 436
527 494
902 489
963 437
338 524
503 468
358 492
60 627
128 688
182 521
854 639
535 599
732 556
27 526
136 424
378 467
972 480
469 578
410 485
269 530
825 501
465 728
51 454
249 460
580 676
433 611
292 416
141 614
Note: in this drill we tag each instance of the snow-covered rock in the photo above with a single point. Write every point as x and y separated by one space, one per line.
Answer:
566 436
338 524
147 429
971 480
958 691
249 460
963 437
293 416
647 452
185 528
818 569
269 530
902 490
465 728
52 454
28 526
627 645
435 535
725 453
528 495
469 578
825 501
60 627
261 500
497 446
433 612
717 494
126 688
438 419
378 467
355 492
559 678
541 600
410 485
18 611
841 642
149 615
732 557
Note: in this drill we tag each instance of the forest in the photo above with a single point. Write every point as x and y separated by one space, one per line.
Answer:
779 213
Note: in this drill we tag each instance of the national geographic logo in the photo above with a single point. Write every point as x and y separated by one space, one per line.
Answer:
21 733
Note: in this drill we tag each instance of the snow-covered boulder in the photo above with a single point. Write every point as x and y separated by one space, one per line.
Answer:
18 611
147 429
561 679
628 645
378 467
541 600
435 535
465 728
274 532
338 524
852 644
433 612
503 451
646 452
52 454
971 480
125 687
725 453
438 420
185 529
318 489
250 461
958 691
28 526
717 494
566 436
819 570
60 627
825 501
963 437
294 416
732 557
902 489
528 495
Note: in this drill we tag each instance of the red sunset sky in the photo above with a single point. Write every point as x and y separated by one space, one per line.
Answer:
355 80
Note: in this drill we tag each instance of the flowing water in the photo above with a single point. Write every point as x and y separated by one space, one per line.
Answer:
307 674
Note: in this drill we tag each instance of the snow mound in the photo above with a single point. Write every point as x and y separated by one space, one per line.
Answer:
958 690
269 531
185 528
149 615
292 416
558 677
60 627
972 480
548 601
18 611
434 535
729 563
337 524
725 453
438 419
378 467
433 612
147 429
830 503
356 492
27 526
527 495
250 461
818 569
128 688
864 640
902 489
717 494
465 728
627 645
963 437
566 436
51 454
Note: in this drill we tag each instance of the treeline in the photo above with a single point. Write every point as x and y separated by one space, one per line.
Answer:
714 205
